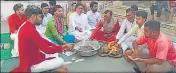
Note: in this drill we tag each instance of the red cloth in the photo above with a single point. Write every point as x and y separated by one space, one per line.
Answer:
172 2
99 35
30 45
15 22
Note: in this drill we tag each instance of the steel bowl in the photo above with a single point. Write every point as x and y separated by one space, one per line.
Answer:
94 44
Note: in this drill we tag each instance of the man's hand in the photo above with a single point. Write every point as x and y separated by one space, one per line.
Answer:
68 47
64 46
136 51
62 69
116 41
117 45
64 43
135 59
135 54
94 40
78 28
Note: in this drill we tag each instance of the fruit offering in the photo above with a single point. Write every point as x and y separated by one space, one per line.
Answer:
111 49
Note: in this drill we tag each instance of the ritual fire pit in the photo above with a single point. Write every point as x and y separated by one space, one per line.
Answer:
87 48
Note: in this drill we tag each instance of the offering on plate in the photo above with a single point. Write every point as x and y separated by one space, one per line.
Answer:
104 51
112 49
87 48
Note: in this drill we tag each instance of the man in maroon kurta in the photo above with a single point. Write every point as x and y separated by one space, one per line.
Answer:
30 43
15 20
106 29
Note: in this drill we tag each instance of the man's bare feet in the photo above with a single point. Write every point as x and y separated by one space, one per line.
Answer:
62 69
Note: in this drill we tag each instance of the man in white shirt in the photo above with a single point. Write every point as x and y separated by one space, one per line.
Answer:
46 16
136 30
126 26
79 26
93 15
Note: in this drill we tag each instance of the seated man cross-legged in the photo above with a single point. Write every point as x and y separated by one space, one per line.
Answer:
15 21
126 26
106 29
161 51
78 24
30 45
56 29
136 31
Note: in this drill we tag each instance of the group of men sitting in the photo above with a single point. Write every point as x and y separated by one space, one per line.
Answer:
39 34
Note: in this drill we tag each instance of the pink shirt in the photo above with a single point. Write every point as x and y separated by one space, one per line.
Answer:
160 48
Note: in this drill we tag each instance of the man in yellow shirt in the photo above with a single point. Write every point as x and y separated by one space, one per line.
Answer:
69 13
136 30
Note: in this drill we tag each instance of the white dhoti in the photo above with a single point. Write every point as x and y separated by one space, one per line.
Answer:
82 35
48 65
128 43
14 37
14 51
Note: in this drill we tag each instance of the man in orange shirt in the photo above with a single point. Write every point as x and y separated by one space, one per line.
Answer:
161 50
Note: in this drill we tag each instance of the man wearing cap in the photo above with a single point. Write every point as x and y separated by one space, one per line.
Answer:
30 44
